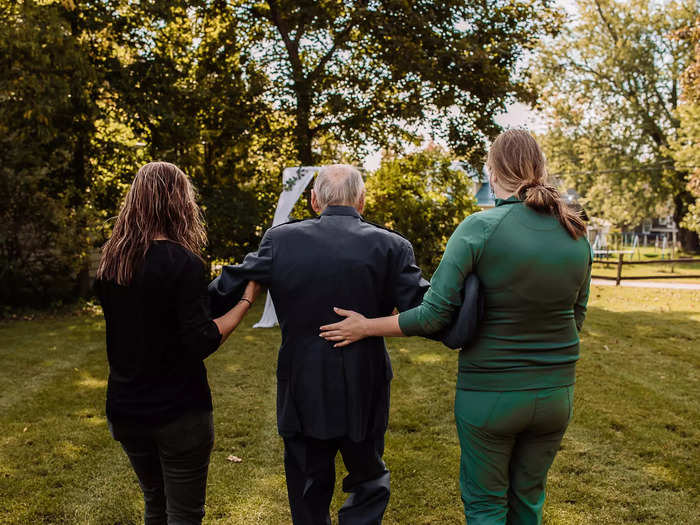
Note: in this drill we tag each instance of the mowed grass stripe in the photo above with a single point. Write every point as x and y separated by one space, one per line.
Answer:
242 378
55 444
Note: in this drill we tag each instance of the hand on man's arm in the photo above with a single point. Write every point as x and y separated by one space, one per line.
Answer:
228 322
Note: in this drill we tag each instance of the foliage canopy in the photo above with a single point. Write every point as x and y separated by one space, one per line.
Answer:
610 88
231 92
375 72
685 149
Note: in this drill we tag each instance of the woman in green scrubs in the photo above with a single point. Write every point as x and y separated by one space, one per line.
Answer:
516 379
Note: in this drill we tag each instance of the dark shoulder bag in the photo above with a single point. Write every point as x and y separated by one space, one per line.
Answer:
465 324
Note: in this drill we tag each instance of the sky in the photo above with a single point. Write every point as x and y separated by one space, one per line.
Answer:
517 115
520 115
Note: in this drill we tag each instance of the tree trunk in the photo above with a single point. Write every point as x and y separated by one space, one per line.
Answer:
304 134
80 124
83 284
689 239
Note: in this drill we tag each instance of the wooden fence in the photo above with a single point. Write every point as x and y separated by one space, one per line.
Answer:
621 262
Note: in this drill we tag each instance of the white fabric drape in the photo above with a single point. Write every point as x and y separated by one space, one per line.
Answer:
294 182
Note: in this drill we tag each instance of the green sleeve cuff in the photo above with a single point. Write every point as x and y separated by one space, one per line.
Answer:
408 322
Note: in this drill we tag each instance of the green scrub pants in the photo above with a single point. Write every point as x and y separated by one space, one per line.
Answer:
508 442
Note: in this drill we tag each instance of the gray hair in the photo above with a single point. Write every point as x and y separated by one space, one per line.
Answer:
339 185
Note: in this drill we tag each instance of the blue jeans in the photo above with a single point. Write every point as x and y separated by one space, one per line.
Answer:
171 463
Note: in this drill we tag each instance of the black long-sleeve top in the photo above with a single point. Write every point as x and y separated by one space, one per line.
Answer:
159 331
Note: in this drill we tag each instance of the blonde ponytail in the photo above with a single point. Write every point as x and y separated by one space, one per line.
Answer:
517 162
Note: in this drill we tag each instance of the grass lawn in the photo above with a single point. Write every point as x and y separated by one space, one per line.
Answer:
630 456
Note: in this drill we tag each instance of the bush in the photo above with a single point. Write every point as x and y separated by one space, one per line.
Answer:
419 196
42 244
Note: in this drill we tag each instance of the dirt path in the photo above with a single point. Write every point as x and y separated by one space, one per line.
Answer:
649 284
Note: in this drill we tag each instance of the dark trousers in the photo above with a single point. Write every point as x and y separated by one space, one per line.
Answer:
171 463
310 469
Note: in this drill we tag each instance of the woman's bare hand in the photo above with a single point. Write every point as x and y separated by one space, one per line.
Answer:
252 290
228 322
351 329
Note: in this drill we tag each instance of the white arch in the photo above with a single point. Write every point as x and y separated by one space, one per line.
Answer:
294 182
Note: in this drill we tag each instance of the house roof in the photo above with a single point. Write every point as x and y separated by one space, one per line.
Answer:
483 196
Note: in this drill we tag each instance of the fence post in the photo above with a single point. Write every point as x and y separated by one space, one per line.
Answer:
619 269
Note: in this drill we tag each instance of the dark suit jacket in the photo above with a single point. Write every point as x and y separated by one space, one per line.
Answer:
310 266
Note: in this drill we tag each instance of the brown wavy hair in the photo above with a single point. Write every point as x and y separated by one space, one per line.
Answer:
161 203
517 163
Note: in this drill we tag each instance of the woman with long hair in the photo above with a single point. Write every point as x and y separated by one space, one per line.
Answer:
152 285
515 383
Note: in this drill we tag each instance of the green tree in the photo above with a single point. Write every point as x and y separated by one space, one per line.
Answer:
421 197
49 85
90 92
232 92
686 148
194 97
610 88
374 72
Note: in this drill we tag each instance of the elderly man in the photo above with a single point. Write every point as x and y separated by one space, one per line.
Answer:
331 399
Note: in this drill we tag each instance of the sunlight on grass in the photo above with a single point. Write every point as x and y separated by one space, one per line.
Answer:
94 421
68 450
430 358
566 516
88 381
661 473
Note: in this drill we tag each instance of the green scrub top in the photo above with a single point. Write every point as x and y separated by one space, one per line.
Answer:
536 280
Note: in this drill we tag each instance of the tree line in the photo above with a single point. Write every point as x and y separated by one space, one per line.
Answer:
232 92
619 89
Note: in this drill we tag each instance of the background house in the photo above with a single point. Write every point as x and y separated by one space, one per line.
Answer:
482 188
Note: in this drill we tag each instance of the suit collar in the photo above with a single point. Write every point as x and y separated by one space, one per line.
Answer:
341 210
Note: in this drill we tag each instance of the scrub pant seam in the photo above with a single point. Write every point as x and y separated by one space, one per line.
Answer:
491 411
534 412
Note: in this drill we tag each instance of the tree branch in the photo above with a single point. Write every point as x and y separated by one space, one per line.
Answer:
612 31
329 54
605 78
662 102
335 123
292 46
655 131
339 39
